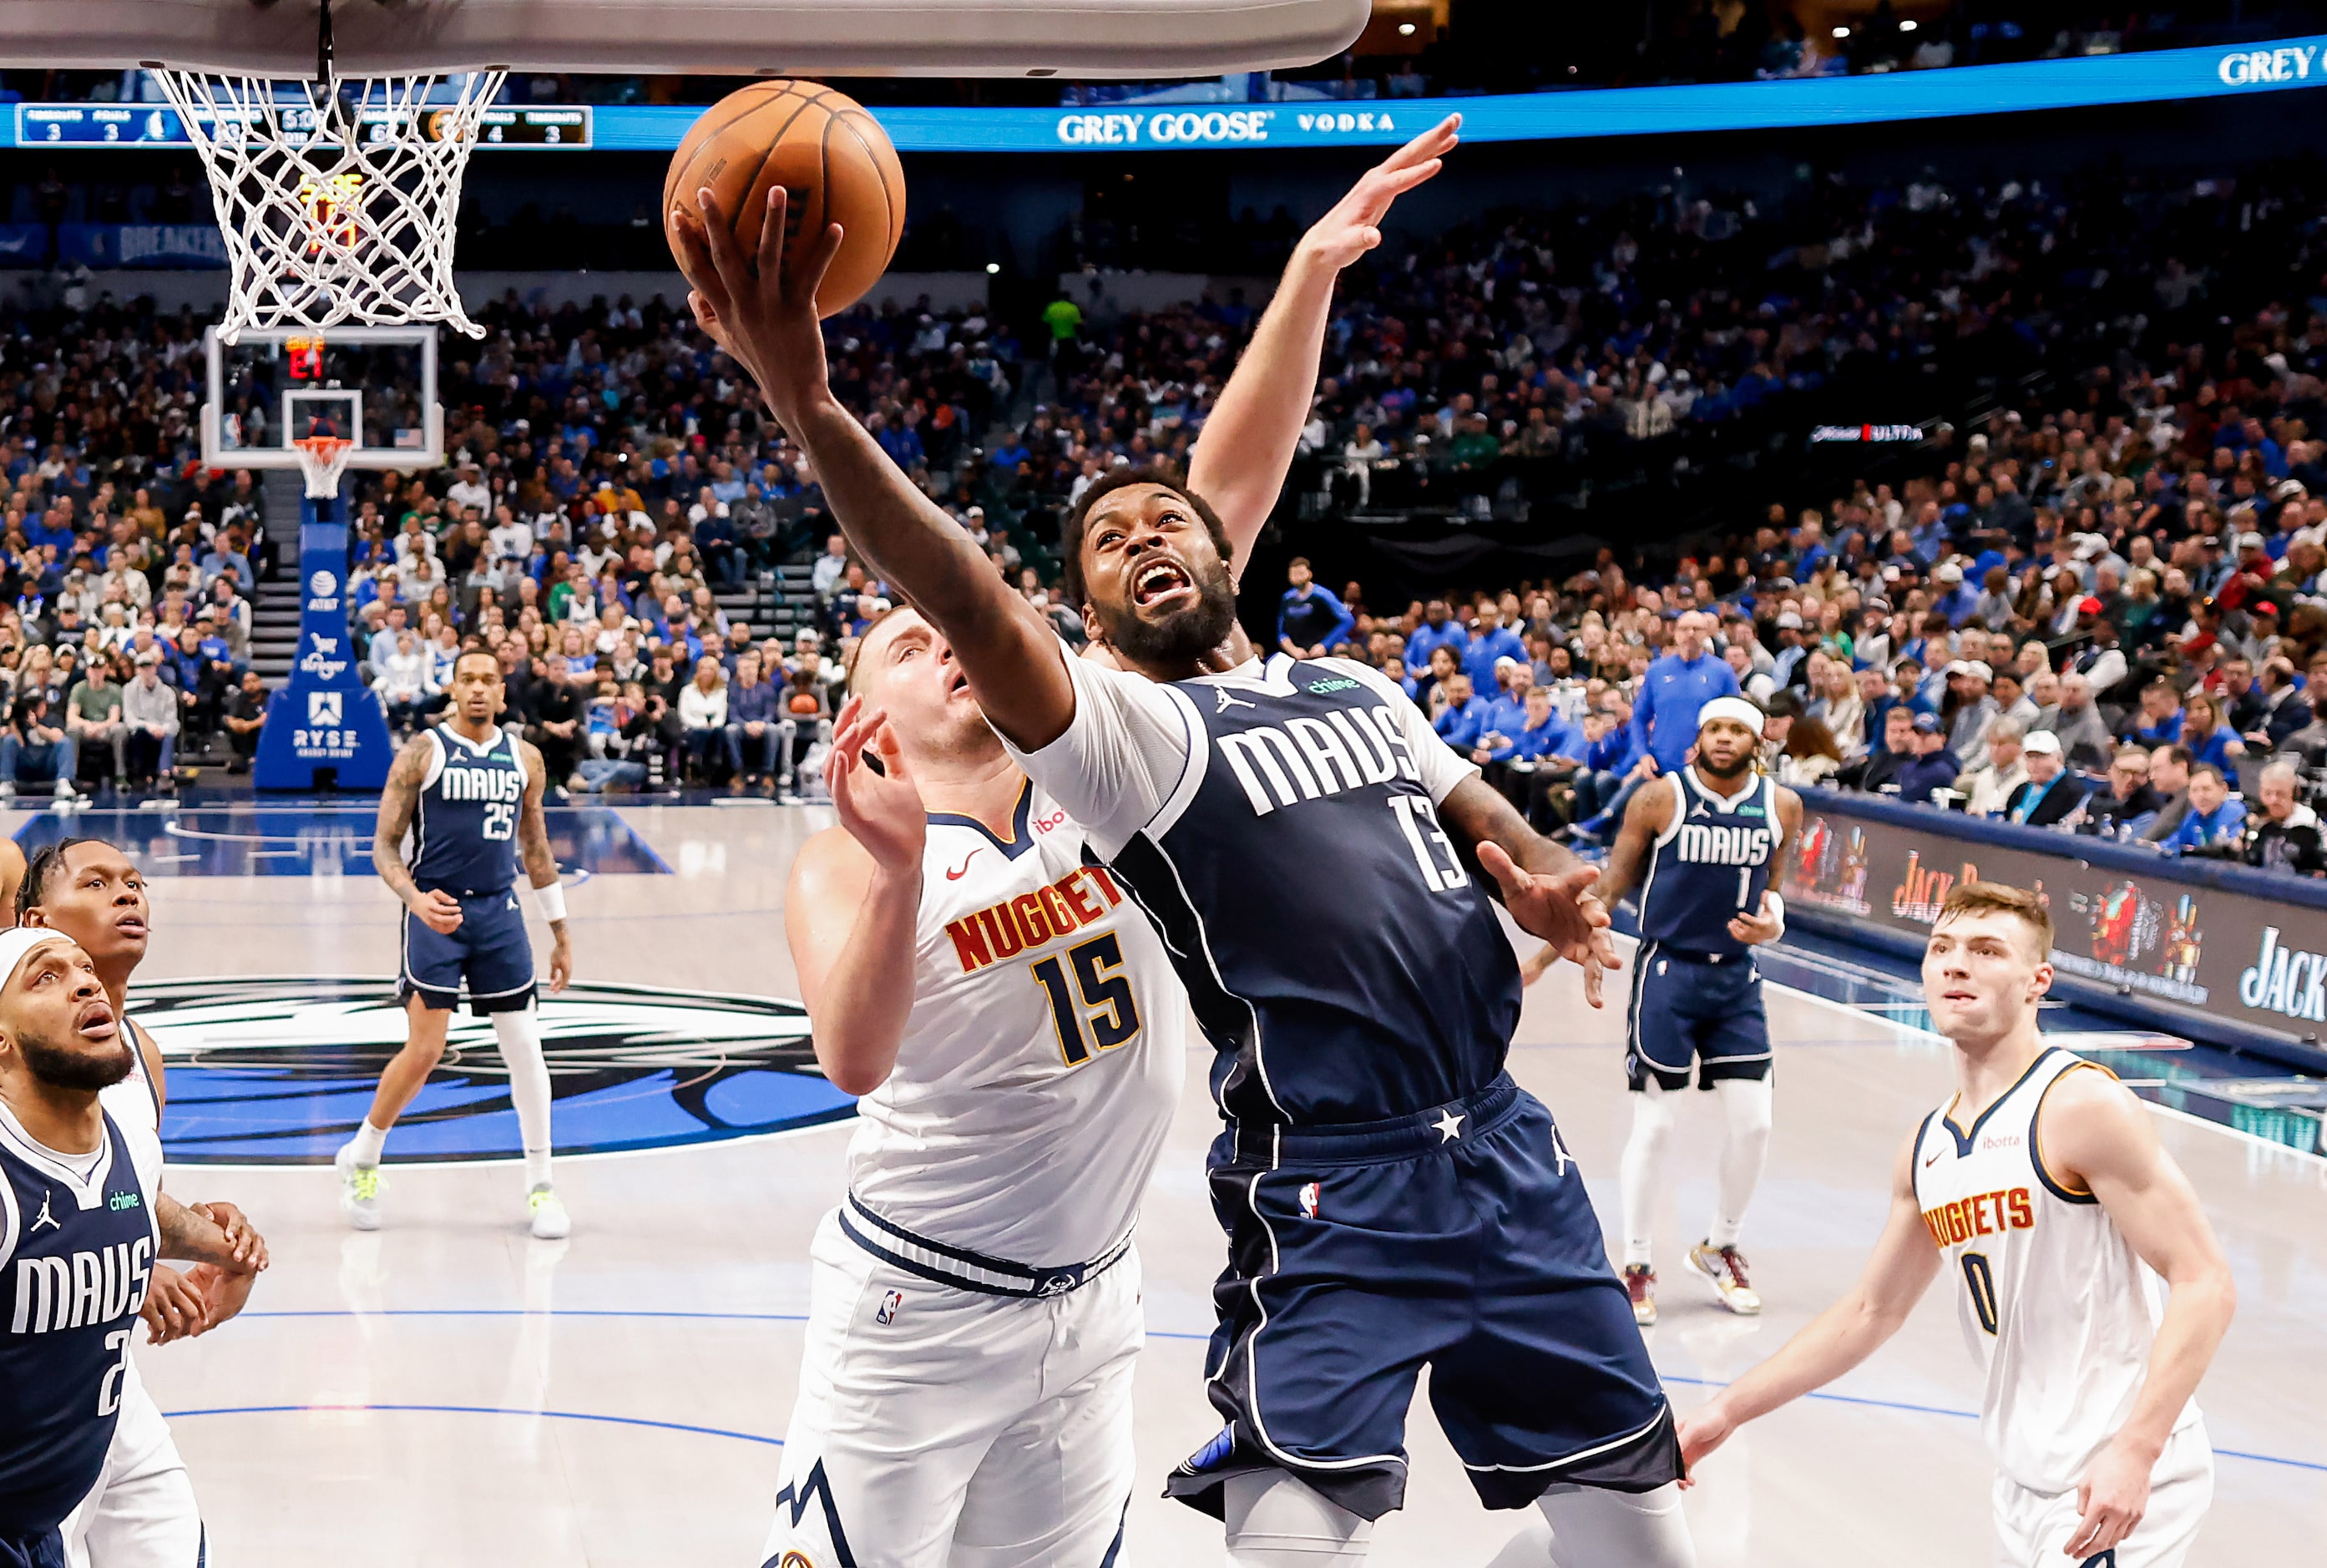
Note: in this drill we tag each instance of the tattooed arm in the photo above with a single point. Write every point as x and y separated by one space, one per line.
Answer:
540 863
439 911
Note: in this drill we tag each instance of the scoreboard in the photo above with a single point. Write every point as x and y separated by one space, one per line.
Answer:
562 127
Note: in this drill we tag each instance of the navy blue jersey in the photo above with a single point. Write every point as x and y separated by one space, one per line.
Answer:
1283 834
464 829
74 1261
1709 865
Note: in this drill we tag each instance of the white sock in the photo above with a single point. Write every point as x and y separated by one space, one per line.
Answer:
1745 1102
519 1034
1593 1528
368 1142
1277 1520
1643 1167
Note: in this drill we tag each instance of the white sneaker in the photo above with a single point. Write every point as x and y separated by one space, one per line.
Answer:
64 790
359 1188
1723 1268
550 1221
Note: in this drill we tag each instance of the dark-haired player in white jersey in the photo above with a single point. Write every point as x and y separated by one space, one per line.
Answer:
143 1512
469 793
1698 846
2090 1288
1016 1033
1393 1199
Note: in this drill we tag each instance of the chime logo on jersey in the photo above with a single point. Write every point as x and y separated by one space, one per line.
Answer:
1026 921
261 1070
73 1291
1982 1214
1307 758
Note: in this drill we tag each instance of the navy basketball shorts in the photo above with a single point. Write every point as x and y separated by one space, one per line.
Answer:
488 950
1693 1007
45 1550
1459 1239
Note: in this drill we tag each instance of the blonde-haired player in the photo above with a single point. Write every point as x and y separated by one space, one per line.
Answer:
1018 1035
2092 1290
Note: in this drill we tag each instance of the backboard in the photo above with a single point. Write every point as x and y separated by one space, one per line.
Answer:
1138 40
375 385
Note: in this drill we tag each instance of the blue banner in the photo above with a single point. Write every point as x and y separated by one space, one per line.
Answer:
324 721
2214 70
107 245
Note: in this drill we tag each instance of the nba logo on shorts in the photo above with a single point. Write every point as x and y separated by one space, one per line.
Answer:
323 709
892 1303
1309 1198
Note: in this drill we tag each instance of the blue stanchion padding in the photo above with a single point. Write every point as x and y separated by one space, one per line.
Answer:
325 726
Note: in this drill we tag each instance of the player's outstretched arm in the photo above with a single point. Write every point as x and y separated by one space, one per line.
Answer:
440 911
1247 445
852 904
541 863
764 315
2093 1131
1846 1333
1546 887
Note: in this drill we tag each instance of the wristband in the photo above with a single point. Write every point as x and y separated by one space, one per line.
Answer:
1776 906
551 901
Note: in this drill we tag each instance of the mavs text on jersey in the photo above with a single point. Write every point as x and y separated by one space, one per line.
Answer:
465 844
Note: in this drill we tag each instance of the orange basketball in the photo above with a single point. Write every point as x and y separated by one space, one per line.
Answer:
802 702
834 161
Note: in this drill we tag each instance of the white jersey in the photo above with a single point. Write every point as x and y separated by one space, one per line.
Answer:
2056 1307
1042 1058
134 1101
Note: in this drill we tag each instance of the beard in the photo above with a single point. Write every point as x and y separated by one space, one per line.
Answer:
61 1067
1181 638
1706 766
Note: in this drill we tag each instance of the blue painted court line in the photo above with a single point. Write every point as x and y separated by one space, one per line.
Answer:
1904 1406
474 1410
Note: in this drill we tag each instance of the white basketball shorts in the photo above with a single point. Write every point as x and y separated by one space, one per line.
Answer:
142 1512
2033 1527
937 1427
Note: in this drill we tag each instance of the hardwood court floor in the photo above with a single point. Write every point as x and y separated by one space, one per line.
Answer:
448 1391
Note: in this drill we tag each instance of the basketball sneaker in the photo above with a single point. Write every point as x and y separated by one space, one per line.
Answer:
359 1189
1723 1268
550 1222
1641 1285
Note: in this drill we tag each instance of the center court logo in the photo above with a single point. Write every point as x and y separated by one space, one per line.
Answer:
277 1070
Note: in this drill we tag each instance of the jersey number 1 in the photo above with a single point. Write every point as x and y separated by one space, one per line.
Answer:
1098 1012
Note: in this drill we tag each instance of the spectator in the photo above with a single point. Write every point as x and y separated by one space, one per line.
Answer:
2050 793
2169 776
2084 738
830 568
1989 787
806 724
703 716
1933 765
2125 804
244 718
1311 622
2214 821
2210 740
1664 713
93 716
554 722
1464 716
1879 774
404 681
152 713
35 749
1811 755
1968 709
2286 834
752 720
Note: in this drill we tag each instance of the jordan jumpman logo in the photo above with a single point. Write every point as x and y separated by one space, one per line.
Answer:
45 1217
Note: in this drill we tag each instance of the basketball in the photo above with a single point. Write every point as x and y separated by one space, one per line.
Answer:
802 702
835 163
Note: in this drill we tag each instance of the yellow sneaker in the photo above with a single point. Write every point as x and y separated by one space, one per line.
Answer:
1723 1268
359 1188
1641 1285
550 1222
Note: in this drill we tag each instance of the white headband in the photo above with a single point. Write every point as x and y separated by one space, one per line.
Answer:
1738 708
18 941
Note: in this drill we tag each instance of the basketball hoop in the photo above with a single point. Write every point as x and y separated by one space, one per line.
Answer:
322 458
336 197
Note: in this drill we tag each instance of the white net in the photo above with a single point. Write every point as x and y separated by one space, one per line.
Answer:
337 199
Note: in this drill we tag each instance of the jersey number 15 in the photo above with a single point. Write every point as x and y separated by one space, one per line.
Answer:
1096 1011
